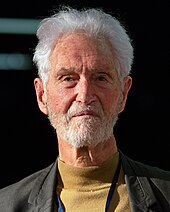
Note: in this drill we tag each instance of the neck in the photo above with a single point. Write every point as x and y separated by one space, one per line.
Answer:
86 156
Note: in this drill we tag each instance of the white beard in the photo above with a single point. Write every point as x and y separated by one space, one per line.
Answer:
83 130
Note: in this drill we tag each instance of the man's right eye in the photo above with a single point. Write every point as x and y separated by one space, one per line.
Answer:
68 78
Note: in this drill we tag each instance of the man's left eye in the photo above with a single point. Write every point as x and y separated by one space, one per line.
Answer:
101 78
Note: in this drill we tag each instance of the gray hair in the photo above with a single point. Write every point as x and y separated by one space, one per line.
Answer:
92 21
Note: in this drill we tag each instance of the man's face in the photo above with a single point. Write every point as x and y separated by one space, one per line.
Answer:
84 94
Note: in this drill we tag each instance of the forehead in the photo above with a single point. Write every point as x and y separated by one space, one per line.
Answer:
80 48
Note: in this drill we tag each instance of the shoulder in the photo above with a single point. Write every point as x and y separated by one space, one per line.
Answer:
132 166
25 182
153 182
159 179
19 192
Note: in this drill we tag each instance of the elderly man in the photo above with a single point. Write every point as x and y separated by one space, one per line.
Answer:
84 61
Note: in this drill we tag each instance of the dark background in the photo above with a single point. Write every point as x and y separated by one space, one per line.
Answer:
28 143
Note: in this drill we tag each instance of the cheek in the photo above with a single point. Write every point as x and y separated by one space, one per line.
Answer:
110 101
58 101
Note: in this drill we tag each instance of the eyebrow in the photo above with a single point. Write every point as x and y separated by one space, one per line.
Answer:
64 71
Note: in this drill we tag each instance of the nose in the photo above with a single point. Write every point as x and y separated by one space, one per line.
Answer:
85 92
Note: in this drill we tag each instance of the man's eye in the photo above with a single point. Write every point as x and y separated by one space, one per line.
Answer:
68 79
101 78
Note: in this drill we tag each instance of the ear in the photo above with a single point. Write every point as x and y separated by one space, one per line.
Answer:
41 97
127 83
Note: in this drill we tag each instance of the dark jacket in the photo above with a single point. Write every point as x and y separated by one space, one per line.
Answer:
148 189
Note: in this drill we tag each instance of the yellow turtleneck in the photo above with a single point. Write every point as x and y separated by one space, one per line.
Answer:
86 189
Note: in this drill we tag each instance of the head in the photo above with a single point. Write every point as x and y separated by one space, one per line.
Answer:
84 60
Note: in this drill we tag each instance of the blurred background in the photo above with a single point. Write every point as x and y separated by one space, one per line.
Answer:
28 142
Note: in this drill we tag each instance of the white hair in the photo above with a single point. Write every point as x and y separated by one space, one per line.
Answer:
94 22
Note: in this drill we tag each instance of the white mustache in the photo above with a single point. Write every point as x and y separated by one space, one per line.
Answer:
79 109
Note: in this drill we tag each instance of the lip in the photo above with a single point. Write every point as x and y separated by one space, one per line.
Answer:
84 113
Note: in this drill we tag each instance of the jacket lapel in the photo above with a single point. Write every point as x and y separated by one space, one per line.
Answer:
140 193
43 193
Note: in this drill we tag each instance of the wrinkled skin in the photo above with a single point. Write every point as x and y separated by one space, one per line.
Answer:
83 98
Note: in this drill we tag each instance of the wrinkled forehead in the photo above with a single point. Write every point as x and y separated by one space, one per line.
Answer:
81 46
